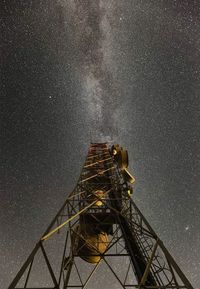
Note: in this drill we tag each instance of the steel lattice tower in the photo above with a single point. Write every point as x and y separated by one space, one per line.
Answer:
99 233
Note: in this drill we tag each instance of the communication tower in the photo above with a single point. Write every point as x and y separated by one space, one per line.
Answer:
99 238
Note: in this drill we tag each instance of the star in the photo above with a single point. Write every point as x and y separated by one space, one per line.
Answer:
187 228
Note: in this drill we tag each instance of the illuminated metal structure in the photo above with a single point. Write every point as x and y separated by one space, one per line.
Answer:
102 236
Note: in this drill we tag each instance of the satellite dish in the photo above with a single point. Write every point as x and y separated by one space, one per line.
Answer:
89 246
128 177
123 159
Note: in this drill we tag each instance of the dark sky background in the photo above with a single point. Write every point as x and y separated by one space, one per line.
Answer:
119 71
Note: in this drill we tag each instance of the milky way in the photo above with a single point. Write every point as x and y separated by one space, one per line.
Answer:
116 71
90 30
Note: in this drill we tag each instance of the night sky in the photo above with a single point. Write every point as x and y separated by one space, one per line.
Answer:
75 71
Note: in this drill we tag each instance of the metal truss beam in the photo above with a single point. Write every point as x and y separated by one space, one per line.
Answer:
149 265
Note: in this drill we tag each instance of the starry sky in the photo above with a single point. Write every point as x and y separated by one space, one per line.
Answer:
76 71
